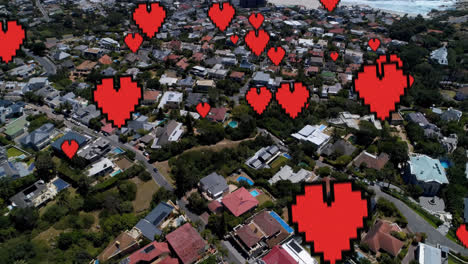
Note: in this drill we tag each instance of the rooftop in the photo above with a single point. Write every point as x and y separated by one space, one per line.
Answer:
239 201
187 243
427 169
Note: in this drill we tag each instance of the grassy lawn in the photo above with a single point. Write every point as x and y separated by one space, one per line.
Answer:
48 235
262 198
279 161
14 152
145 191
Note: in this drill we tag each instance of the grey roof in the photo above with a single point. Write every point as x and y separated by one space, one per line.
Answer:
418 118
57 145
214 183
261 77
38 136
149 225
193 99
429 254
25 198
344 147
451 115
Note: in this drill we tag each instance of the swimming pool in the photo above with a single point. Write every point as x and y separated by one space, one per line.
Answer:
118 151
286 156
322 127
233 124
242 178
282 222
445 163
254 193
115 173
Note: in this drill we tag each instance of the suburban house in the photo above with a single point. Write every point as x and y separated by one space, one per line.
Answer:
263 157
214 185
125 243
278 255
427 173
33 196
426 254
299 254
101 167
39 137
149 226
371 161
240 201
440 56
186 243
258 234
340 147
314 135
95 150
451 115
171 100
217 114
171 132
379 238
16 127
84 69
287 173
150 97
154 252
71 135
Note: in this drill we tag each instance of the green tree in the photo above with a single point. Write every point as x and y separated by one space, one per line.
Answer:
127 190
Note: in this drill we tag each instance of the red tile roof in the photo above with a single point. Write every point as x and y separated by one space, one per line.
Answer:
107 127
248 236
278 255
149 252
239 201
337 30
372 161
105 60
187 243
169 260
214 206
217 114
150 95
379 237
267 223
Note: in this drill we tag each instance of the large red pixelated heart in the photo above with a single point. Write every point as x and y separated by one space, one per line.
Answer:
256 20
11 40
234 39
374 43
203 109
133 41
462 235
330 5
257 42
221 16
292 101
70 147
381 85
258 100
332 225
149 21
117 104
334 55
276 55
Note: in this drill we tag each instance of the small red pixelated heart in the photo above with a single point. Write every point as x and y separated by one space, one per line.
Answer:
374 43
117 104
221 16
149 18
292 101
234 39
330 5
462 235
256 20
334 55
257 42
276 55
381 85
330 225
12 36
203 109
133 41
258 100
70 147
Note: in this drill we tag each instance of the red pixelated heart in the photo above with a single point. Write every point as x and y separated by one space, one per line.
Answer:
149 21
276 55
257 42
133 41
330 5
382 87
234 39
258 100
256 20
117 104
334 55
330 225
462 235
374 43
203 109
12 36
70 147
292 101
221 16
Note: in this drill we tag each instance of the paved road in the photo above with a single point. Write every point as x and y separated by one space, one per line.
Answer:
276 140
242 92
43 11
233 256
48 66
417 224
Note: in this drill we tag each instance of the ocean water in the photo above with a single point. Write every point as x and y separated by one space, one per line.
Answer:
412 7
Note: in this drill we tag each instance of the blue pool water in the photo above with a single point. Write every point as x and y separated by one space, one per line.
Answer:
254 193
286 156
115 173
233 124
282 222
445 163
61 184
322 127
118 151
242 178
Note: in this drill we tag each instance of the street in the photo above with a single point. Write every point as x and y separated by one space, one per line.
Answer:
49 67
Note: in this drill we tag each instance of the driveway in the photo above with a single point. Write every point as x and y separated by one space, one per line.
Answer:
417 224
233 256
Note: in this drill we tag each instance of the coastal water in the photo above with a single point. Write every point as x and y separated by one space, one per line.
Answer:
411 7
